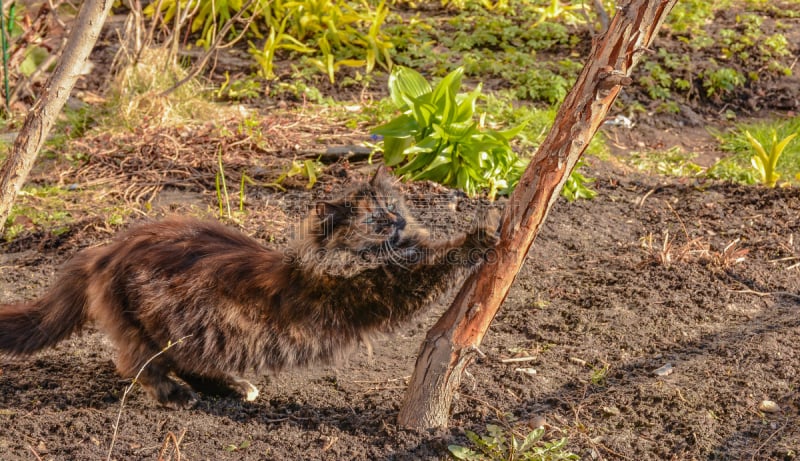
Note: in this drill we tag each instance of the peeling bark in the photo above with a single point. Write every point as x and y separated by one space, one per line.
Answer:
449 345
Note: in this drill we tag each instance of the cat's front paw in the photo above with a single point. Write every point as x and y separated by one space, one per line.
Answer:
486 234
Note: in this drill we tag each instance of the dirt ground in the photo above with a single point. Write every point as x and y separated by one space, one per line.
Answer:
601 303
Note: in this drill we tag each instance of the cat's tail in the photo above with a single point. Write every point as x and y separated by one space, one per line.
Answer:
28 327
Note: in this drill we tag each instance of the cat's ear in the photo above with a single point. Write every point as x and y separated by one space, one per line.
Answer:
381 174
329 211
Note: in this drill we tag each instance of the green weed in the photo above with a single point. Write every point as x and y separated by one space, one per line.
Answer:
671 162
599 375
555 10
721 80
731 169
54 209
739 166
308 169
690 16
501 444
238 447
766 162
235 90
72 123
493 46
536 122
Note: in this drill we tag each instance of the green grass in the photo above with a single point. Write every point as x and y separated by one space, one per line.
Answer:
670 162
54 209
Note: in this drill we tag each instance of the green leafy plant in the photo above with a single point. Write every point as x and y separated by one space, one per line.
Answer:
765 162
730 170
500 444
598 375
740 166
690 16
308 169
656 81
246 88
276 40
722 80
576 186
437 138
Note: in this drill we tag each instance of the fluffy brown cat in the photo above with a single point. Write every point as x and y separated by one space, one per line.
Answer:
358 265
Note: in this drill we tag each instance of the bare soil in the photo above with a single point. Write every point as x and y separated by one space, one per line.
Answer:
596 308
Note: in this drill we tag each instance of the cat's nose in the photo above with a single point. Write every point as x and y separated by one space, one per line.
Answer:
399 223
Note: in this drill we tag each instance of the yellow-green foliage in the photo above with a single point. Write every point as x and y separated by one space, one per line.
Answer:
765 162
332 33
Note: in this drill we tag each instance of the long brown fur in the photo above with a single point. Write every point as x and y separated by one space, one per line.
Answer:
359 265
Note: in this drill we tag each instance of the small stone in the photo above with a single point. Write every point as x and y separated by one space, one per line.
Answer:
611 411
666 370
578 361
527 371
537 421
768 406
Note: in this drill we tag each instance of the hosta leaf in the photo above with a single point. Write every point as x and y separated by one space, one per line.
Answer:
460 131
423 112
440 174
440 133
394 149
406 82
436 170
428 144
472 157
402 126
420 161
511 133
466 105
449 85
447 107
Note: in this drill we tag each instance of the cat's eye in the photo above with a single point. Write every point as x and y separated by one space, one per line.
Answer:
390 207
373 217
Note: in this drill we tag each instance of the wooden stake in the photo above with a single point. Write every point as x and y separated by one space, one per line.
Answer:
14 171
447 348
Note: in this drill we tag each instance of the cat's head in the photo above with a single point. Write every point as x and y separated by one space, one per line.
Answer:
369 218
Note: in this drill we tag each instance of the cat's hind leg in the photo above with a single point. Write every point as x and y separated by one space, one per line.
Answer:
221 384
154 378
